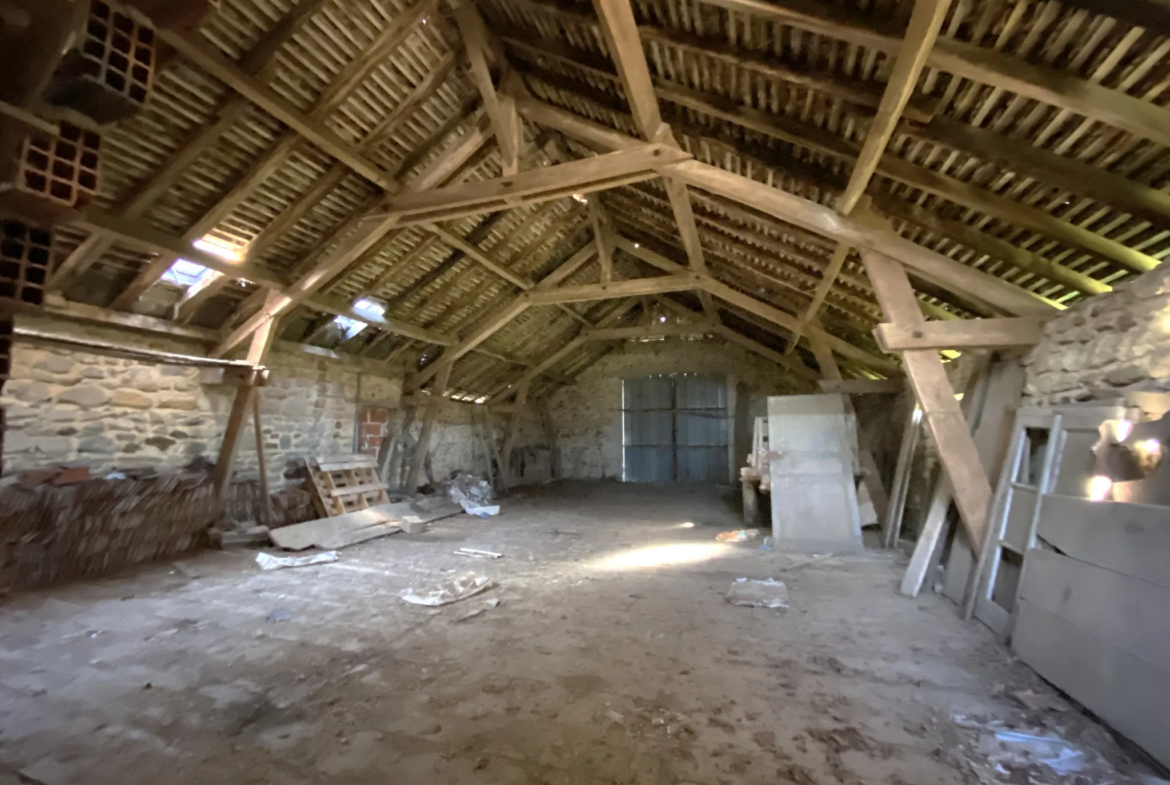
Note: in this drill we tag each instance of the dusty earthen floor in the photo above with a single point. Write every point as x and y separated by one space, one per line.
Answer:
611 658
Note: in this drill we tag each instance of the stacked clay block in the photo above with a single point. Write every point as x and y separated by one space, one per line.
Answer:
52 175
5 349
26 253
108 75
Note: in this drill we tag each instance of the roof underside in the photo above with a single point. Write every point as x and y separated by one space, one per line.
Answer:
780 92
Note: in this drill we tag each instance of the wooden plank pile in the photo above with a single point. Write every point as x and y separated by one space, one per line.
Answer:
351 528
345 484
285 507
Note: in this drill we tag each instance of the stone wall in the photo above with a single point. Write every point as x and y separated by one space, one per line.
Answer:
1115 340
587 415
71 404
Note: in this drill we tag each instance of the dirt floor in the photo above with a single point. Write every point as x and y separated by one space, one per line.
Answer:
612 656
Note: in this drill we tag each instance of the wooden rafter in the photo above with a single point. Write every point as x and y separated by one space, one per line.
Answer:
568 348
331 179
625 47
339 90
499 319
553 182
1006 209
925 23
366 229
805 214
501 109
980 64
803 374
772 250
486 261
731 295
206 57
258 62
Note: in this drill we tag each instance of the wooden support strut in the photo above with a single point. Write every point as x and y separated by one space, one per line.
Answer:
258 351
513 427
620 31
501 109
428 423
928 378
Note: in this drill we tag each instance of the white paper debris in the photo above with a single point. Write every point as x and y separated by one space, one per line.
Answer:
768 593
475 553
1002 745
270 562
449 591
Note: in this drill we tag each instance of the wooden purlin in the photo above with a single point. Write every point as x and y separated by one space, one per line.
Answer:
728 222
808 215
808 136
727 248
363 238
259 61
1068 230
775 315
740 58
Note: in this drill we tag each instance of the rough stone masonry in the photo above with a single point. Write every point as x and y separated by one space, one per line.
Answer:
1116 340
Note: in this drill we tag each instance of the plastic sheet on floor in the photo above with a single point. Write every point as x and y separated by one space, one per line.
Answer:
767 593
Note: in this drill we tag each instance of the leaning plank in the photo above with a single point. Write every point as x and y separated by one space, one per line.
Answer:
328 532
351 528
1132 539
1129 694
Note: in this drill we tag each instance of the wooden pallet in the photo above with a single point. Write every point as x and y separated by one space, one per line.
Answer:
345 484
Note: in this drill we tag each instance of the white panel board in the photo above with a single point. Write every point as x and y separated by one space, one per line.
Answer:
1131 614
813 441
815 513
1123 690
1133 539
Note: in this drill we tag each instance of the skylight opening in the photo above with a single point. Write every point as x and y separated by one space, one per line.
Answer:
185 274
220 248
352 326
